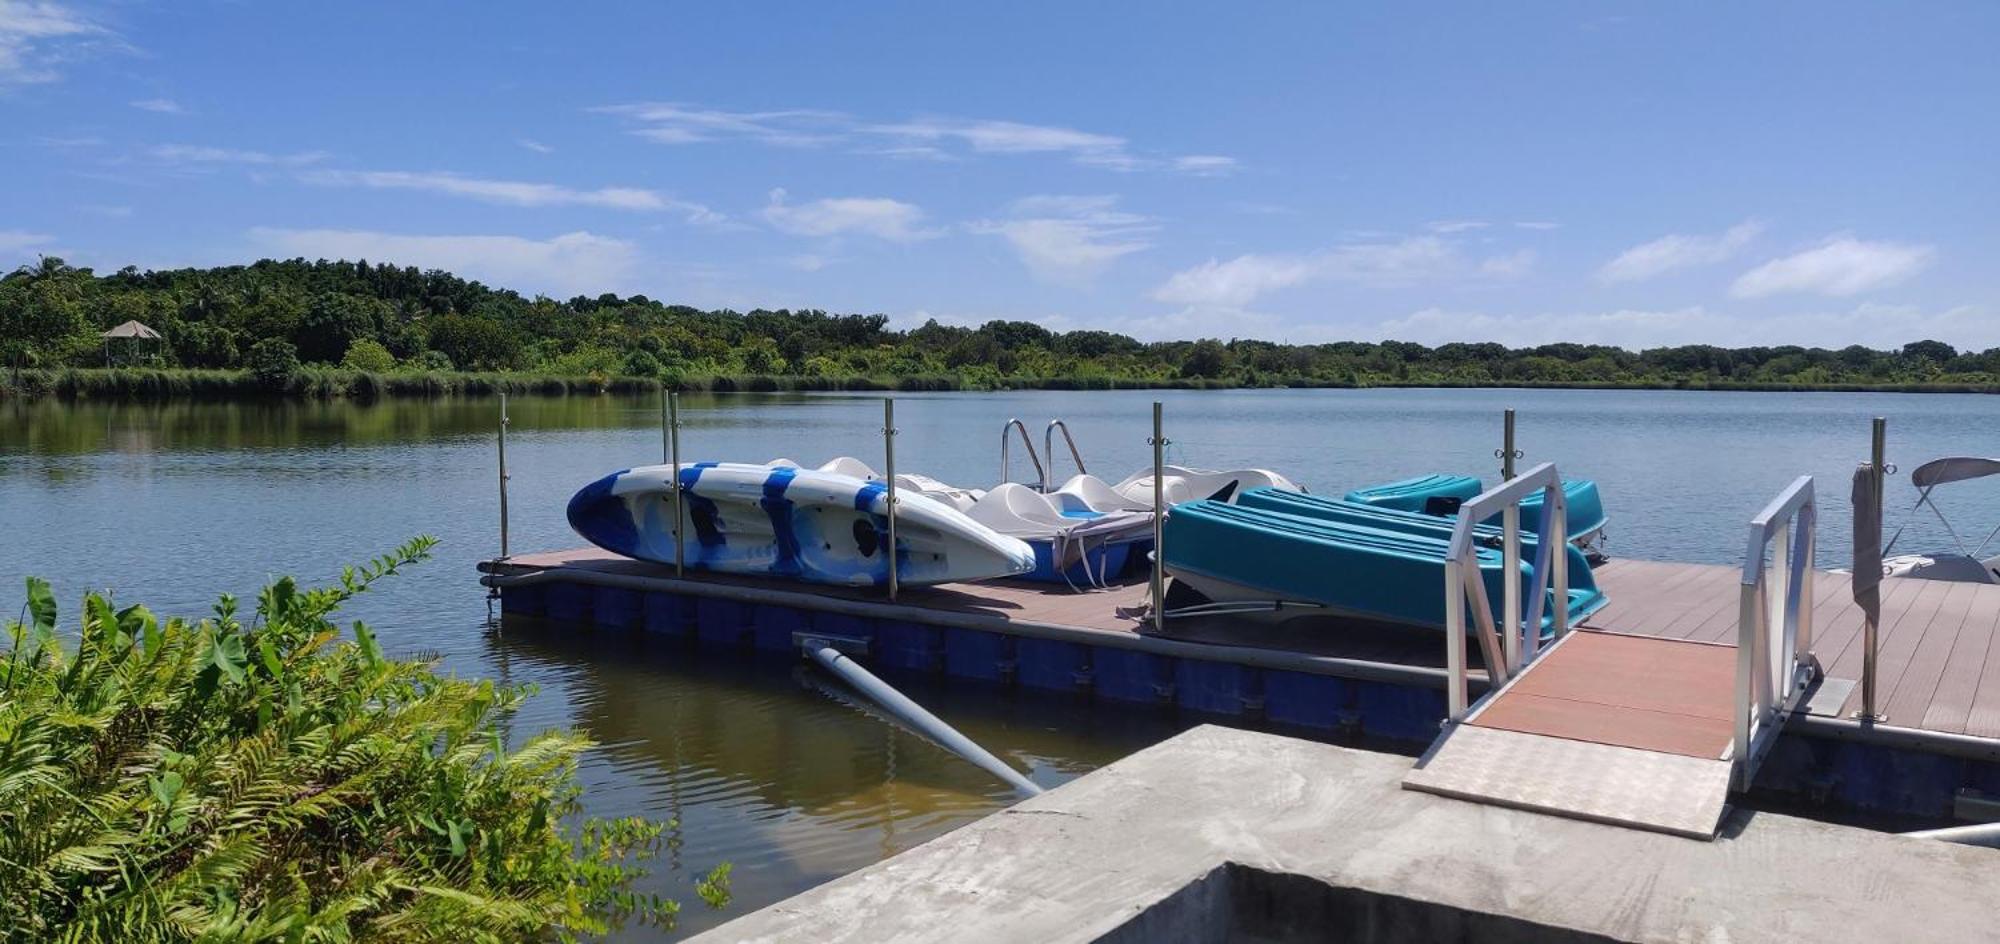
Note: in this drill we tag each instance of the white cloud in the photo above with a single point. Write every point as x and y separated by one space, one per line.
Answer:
1070 239
1205 165
808 262
1663 255
13 241
1539 225
164 106
880 217
516 192
198 154
1511 265
1878 326
569 264
1449 227
36 37
927 138
535 146
1238 282
1841 266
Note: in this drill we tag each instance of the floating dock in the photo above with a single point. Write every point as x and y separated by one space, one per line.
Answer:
1936 755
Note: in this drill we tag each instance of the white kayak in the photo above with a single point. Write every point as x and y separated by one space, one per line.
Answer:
780 520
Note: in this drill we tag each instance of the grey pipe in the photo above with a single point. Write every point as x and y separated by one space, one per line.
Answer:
914 715
1982 834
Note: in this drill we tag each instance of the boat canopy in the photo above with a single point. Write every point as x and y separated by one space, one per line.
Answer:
1953 469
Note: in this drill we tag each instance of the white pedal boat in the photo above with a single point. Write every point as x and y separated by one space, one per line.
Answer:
1087 532
784 521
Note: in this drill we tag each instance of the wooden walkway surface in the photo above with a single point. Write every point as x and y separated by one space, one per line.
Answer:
1938 668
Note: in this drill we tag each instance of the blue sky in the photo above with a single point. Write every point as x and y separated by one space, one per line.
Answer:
1634 174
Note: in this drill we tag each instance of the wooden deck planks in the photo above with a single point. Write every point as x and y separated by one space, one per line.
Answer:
1958 680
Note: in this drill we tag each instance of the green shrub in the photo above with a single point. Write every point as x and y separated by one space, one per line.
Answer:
368 355
267 780
273 361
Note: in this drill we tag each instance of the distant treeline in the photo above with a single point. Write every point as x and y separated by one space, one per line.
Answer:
355 329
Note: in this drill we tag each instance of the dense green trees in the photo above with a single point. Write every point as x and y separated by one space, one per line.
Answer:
274 316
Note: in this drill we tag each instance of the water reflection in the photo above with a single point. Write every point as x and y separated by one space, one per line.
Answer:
777 769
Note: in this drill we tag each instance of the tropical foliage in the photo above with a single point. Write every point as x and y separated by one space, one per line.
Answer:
235 779
271 324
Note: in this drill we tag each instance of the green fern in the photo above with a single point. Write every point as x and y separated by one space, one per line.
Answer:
215 781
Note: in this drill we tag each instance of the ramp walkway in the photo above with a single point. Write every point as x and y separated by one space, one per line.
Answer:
1635 730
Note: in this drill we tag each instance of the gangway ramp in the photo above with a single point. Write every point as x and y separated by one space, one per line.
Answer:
1642 731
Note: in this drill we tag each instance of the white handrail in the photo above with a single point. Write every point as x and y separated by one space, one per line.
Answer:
1774 662
1521 643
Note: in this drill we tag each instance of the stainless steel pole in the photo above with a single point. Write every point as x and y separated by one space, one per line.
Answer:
503 476
1159 443
889 464
674 459
1507 453
1876 458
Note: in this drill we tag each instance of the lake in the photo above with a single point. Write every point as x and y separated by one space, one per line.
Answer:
766 766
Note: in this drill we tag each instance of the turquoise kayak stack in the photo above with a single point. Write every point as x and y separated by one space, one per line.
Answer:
1367 561
1440 496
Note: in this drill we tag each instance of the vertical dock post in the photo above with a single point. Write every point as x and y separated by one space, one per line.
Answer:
1876 457
1159 588
673 436
889 474
1510 555
503 476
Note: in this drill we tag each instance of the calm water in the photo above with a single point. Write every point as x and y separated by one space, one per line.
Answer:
764 767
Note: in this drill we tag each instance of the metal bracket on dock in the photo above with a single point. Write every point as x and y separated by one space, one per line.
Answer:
845 645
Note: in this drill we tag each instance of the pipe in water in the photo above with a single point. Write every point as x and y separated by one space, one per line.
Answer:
914 715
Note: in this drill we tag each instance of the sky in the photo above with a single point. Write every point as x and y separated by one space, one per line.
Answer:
1637 174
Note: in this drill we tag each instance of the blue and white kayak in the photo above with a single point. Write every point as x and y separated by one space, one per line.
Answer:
804 524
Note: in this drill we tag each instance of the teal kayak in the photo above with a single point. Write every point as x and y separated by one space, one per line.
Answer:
1391 574
1408 522
1440 495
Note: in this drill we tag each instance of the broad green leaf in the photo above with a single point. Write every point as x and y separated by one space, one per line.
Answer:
41 607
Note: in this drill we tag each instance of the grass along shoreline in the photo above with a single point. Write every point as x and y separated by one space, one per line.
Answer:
164 384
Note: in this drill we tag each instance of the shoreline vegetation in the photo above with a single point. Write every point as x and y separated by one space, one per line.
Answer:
320 330
265 775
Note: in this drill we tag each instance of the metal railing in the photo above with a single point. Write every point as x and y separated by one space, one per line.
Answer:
1505 649
1049 446
1041 476
1774 662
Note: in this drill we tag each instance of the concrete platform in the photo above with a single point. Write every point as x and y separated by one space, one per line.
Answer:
1221 834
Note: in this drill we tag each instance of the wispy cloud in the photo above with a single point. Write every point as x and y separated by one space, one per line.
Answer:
1841 266
163 106
1070 239
201 154
880 217
1449 227
1234 284
931 138
1668 253
571 263
1541 225
1879 326
515 192
38 37
534 145
13 240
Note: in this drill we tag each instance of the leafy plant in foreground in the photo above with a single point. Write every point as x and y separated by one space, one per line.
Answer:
217 780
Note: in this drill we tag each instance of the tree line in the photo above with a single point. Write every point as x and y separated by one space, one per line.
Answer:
274 318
